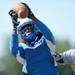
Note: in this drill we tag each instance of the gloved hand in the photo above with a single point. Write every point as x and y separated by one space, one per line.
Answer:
14 17
30 12
58 57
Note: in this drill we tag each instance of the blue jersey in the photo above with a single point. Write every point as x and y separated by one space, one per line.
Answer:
37 59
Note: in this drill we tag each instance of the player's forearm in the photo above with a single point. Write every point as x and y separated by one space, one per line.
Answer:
14 42
14 29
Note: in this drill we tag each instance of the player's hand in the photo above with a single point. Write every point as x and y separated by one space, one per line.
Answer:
14 17
58 57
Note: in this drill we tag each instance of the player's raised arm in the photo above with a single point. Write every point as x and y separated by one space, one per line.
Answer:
14 36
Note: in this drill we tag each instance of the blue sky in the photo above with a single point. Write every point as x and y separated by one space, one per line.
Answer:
58 15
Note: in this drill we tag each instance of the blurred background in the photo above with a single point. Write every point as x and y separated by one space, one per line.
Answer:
58 15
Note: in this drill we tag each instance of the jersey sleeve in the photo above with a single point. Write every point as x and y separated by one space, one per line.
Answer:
21 56
45 31
16 50
14 44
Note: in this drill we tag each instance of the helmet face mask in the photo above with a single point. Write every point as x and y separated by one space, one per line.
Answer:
27 32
